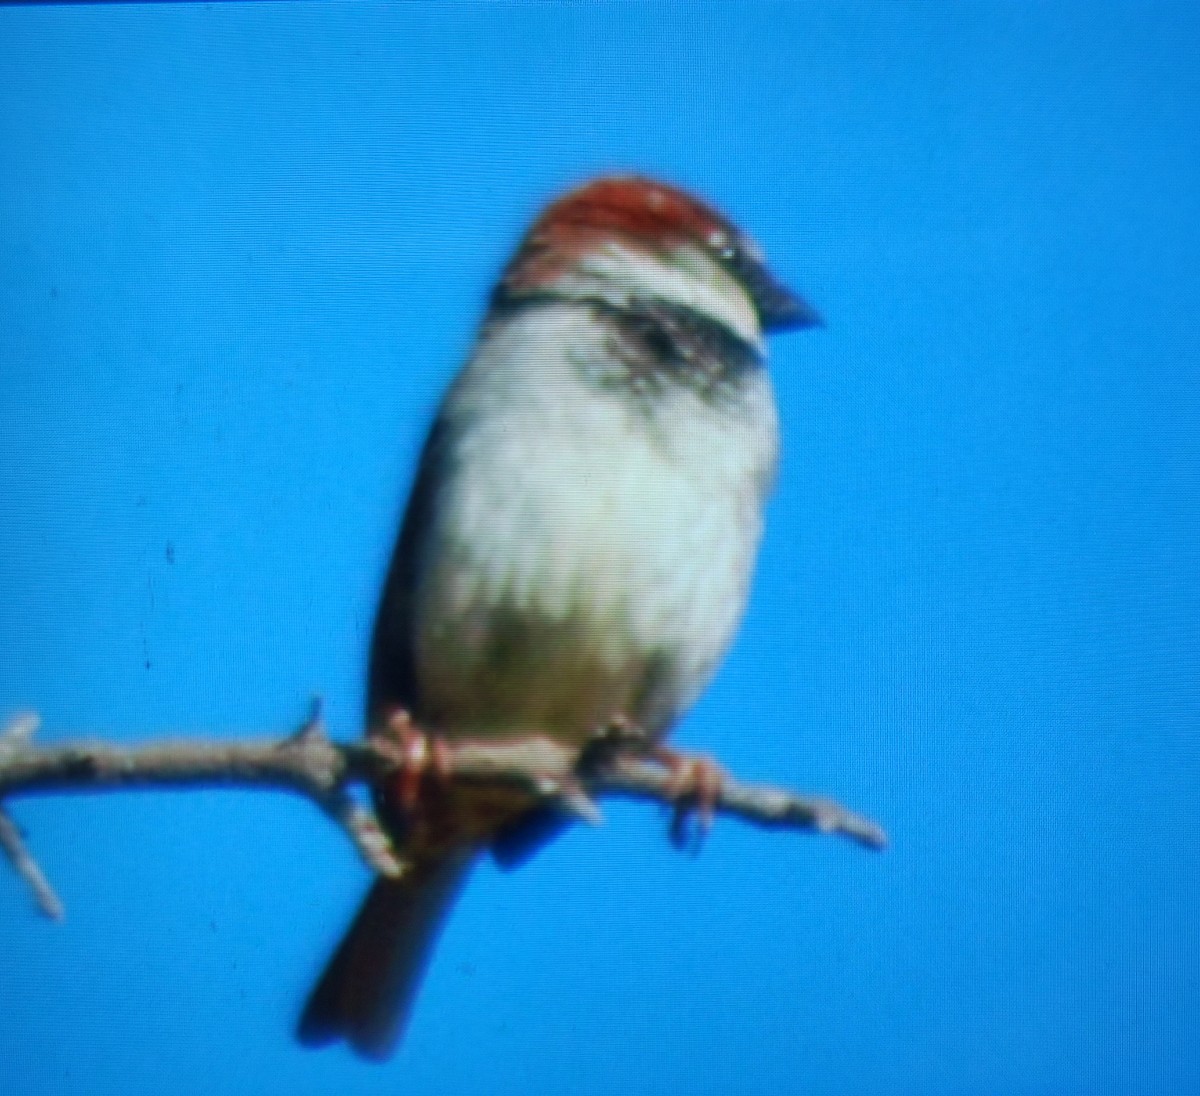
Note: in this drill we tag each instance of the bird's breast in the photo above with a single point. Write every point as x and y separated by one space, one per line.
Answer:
589 553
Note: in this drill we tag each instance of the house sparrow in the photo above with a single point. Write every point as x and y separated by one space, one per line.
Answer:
578 545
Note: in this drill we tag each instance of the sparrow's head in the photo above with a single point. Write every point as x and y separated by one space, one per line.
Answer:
625 238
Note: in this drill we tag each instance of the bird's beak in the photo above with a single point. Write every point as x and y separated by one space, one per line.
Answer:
779 309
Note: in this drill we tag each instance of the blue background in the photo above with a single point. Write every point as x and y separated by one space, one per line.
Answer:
242 250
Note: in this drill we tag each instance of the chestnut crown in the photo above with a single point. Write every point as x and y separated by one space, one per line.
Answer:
654 219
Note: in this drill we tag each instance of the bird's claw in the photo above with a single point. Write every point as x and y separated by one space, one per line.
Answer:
695 786
619 735
422 756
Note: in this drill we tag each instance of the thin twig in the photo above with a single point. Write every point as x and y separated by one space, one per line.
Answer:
761 804
27 868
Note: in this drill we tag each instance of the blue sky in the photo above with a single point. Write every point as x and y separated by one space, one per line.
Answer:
242 250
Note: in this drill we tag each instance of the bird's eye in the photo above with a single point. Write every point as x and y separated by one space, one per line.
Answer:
720 242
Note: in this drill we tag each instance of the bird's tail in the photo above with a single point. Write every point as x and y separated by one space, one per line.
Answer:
368 988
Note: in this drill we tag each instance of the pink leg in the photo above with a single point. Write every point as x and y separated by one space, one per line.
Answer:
422 755
695 784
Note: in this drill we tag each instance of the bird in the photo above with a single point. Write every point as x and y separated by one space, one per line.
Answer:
578 545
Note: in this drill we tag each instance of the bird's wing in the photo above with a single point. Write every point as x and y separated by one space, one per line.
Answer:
392 676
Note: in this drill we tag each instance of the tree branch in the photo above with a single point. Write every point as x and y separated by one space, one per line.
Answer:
309 763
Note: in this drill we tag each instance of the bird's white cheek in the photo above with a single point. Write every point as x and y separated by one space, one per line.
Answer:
688 278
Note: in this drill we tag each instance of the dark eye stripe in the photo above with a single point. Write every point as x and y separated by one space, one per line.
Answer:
678 341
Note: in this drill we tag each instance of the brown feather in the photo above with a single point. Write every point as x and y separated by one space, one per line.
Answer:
367 991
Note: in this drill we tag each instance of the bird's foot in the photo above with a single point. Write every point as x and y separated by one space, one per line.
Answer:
619 736
695 786
423 758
